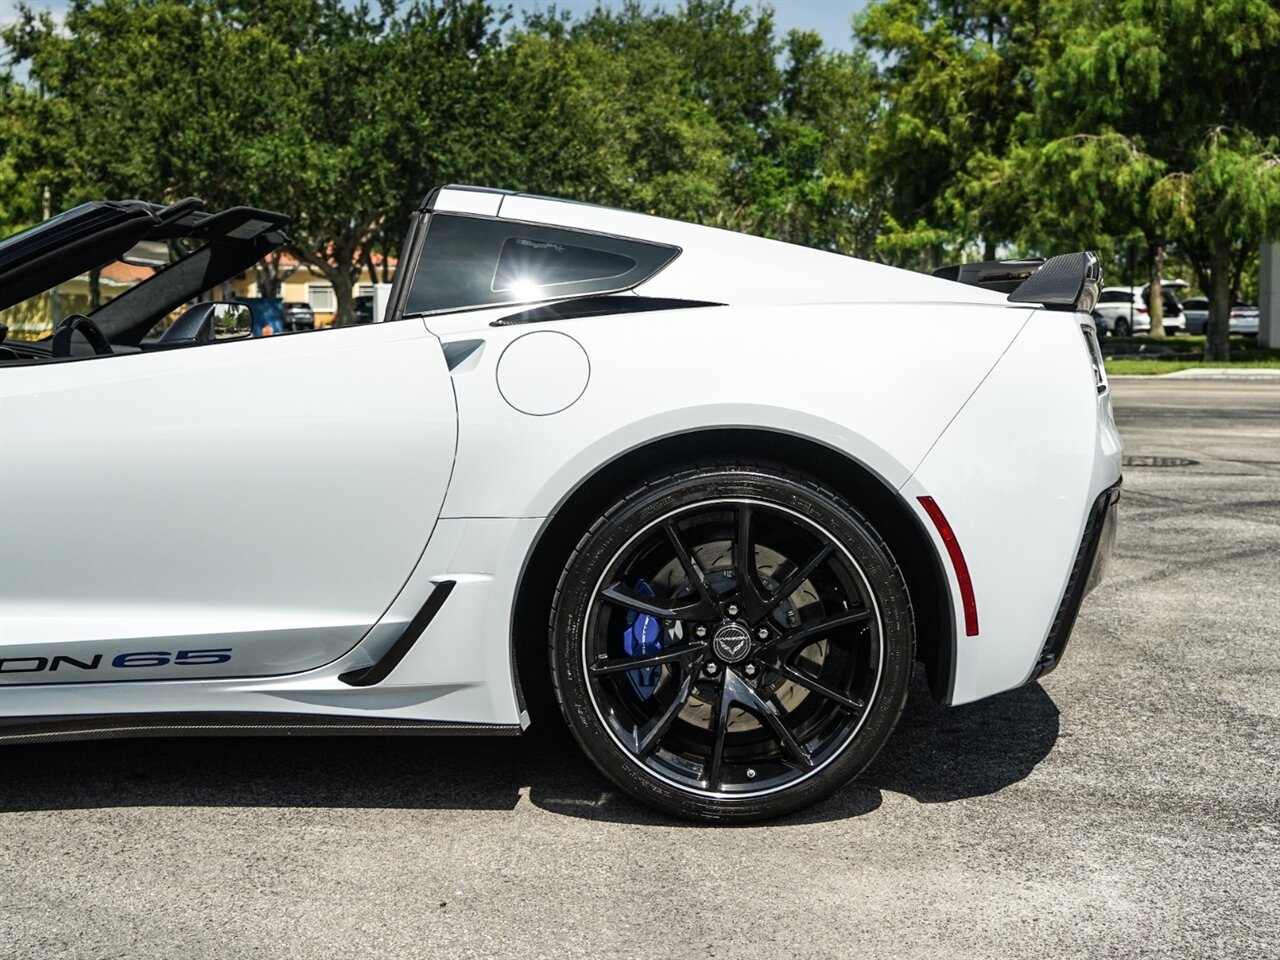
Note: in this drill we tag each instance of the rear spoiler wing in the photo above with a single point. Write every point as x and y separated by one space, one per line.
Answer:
1070 281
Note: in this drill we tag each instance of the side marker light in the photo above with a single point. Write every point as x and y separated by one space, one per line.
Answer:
967 598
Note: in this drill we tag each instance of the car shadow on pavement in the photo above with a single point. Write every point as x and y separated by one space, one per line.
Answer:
936 755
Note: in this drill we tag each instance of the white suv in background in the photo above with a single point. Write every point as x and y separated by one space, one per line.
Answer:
1123 310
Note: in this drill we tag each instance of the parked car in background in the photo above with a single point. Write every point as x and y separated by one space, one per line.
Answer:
299 316
1243 318
363 307
1125 310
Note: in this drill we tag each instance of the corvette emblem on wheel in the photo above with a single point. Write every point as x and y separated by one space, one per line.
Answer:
731 643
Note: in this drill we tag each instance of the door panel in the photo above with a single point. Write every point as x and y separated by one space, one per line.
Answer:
238 509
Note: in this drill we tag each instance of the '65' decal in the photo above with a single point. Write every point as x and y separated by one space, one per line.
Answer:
143 658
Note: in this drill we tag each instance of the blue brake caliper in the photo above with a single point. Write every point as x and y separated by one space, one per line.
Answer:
641 638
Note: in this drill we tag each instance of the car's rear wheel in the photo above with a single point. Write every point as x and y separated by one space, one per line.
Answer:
1122 327
731 642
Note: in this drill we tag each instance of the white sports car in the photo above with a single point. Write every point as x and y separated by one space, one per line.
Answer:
701 485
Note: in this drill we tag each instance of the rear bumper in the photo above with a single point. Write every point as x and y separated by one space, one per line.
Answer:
1092 561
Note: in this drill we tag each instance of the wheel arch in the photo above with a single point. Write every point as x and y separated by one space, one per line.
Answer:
900 527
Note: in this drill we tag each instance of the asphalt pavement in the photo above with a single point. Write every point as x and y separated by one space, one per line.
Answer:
1128 805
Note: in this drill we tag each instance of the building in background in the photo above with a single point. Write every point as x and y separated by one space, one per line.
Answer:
302 283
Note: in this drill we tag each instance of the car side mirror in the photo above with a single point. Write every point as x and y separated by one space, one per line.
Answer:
206 322
231 321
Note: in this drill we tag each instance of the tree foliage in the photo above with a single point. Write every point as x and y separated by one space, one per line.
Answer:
1185 91
958 75
954 128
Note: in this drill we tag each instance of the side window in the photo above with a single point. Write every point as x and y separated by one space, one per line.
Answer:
1114 296
478 262
540 263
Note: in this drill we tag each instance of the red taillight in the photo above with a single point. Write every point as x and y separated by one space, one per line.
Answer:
1142 309
957 561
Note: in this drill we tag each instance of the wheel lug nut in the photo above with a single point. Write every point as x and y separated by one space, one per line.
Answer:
732 609
763 633
711 668
751 773
749 669
700 632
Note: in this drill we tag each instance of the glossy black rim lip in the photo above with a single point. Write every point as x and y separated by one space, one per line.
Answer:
738 796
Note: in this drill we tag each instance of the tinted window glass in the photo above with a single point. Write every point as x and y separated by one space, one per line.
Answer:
543 263
475 262
1113 296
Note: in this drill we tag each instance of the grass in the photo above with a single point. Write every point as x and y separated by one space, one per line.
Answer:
1153 367
1182 353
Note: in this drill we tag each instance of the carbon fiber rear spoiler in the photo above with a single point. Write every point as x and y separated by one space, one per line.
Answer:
1070 281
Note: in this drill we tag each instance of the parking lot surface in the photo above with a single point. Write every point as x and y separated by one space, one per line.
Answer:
1127 805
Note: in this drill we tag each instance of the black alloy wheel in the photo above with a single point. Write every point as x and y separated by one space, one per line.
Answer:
731 642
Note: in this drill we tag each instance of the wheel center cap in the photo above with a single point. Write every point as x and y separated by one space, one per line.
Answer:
731 643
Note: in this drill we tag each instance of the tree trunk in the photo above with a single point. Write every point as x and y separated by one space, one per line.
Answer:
1155 288
95 289
267 274
341 268
1217 345
343 293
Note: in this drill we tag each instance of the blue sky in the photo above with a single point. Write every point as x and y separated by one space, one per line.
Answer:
830 18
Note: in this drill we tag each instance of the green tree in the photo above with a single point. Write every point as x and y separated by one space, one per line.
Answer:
18 206
1220 207
1191 87
338 114
1094 190
700 113
602 118
957 76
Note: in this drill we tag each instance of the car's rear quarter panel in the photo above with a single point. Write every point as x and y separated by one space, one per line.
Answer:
1016 474
878 382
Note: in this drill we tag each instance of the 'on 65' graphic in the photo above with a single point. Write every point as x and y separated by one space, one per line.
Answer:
142 658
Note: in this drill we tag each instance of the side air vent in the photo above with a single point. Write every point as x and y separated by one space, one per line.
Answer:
416 627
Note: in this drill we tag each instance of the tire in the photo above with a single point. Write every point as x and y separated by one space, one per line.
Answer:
716 696
1122 327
